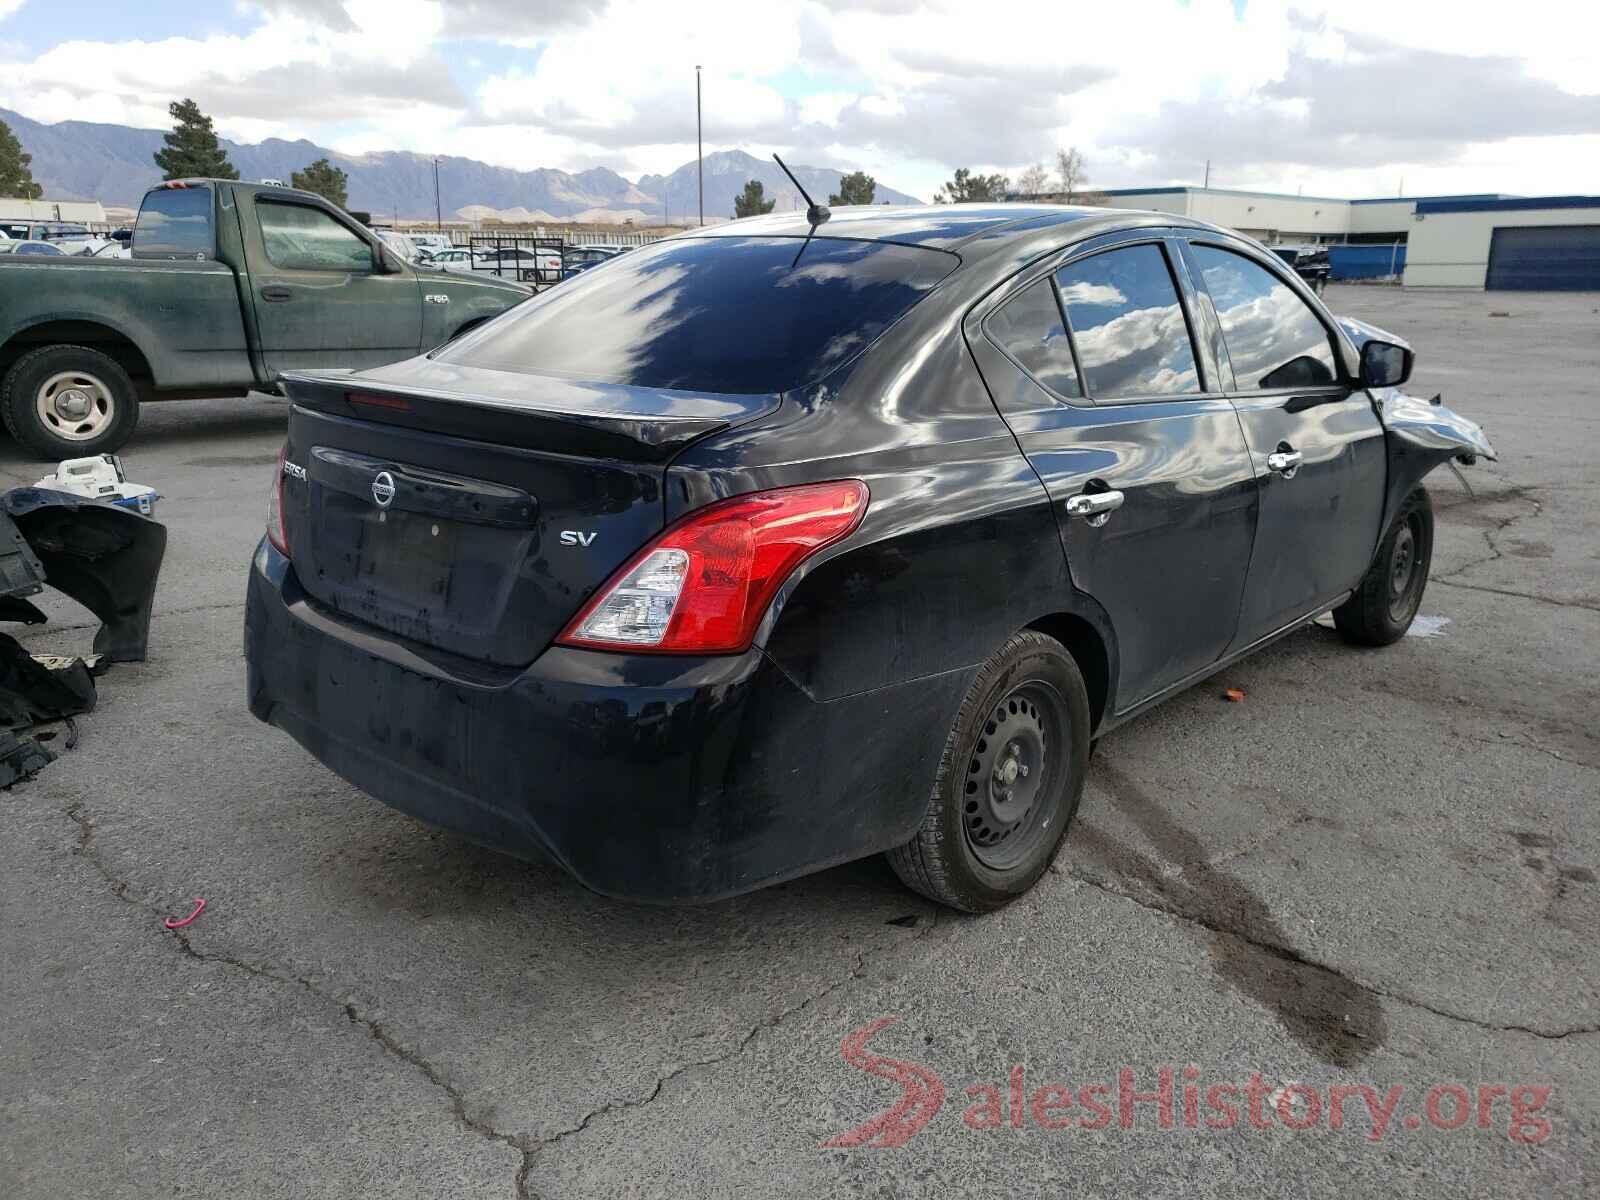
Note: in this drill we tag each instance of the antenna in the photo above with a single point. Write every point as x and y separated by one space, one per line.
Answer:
816 213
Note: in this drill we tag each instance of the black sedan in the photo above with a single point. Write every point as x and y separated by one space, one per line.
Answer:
778 545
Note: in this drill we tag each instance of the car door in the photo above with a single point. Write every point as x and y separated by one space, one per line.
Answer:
320 299
1315 439
1144 460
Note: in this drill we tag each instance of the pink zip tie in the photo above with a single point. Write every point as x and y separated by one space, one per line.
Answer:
199 907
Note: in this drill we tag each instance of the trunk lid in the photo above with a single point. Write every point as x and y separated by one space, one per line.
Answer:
475 510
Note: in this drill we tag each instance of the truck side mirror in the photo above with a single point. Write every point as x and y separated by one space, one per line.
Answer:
1385 364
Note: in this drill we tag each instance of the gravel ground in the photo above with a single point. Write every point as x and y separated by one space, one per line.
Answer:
1378 871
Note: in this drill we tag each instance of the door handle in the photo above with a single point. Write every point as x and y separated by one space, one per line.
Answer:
274 292
1284 462
1095 507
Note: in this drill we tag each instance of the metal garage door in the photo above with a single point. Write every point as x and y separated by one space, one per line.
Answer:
1545 258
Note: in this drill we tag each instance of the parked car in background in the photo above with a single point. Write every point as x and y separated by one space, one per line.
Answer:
541 265
830 540
577 259
45 231
231 284
431 242
1309 262
32 248
399 243
454 259
96 247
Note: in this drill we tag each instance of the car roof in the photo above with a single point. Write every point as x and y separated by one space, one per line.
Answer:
939 226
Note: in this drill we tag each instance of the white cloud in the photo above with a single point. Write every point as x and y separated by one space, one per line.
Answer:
1335 98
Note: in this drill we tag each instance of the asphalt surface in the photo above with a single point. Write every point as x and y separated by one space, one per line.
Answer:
1379 869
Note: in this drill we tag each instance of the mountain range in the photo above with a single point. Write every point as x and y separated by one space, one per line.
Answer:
82 160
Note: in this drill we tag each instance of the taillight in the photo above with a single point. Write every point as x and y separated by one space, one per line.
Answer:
704 584
275 531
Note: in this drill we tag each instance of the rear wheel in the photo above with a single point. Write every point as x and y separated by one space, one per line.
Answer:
69 402
1384 603
1009 781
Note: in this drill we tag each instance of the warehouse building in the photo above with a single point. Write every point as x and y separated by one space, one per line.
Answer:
1539 243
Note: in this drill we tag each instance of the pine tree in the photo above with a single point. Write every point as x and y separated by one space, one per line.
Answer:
325 179
16 180
192 150
855 188
753 202
967 188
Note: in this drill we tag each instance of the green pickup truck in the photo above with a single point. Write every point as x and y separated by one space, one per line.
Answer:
230 285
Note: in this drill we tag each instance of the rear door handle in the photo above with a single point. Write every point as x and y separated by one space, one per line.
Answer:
1094 507
275 292
1284 462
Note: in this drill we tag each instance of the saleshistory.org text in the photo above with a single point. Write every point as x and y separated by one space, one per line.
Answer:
1178 1097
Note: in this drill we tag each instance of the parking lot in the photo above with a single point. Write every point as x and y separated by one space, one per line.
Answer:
1379 870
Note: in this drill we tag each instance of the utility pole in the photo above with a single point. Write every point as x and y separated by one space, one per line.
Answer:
438 211
1208 173
699 146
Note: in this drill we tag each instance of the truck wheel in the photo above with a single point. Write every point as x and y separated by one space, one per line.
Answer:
1382 607
1009 782
69 402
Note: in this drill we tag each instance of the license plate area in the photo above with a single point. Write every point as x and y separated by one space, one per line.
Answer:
407 554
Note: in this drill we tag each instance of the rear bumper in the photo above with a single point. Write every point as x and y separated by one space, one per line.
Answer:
647 777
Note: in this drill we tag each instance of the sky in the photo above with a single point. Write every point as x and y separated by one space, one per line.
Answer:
1358 98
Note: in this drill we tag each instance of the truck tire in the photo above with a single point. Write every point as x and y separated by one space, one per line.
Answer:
1009 781
69 402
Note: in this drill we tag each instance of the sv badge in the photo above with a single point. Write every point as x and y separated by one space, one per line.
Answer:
576 537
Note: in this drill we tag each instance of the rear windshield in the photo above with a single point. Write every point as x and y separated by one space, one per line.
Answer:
724 314
174 223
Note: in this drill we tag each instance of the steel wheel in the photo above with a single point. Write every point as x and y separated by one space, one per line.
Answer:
1012 765
75 406
1405 592
1009 779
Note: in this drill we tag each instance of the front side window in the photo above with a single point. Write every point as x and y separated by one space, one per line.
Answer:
1128 326
1274 340
298 238
1028 327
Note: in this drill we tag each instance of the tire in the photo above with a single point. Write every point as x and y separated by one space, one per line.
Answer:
1386 600
45 390
989 834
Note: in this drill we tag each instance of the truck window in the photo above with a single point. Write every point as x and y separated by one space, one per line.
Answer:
175 223
300 238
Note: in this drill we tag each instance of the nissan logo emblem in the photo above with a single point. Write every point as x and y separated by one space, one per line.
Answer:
383 489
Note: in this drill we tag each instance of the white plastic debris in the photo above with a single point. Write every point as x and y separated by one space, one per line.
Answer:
101 477
1427 627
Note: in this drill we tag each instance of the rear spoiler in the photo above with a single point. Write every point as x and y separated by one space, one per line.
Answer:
536 412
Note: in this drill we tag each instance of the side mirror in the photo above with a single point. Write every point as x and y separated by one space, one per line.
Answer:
383 262
1385 364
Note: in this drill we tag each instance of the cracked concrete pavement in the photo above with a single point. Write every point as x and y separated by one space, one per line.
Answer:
1379 869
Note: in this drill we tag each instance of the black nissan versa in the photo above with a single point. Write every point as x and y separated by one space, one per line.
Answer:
774 546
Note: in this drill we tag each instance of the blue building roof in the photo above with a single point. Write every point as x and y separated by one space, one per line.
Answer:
1505 204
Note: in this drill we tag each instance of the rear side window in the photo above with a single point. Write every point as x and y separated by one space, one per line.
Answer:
1028 327
1128 326
301 238
1274 340
175 223
723 314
